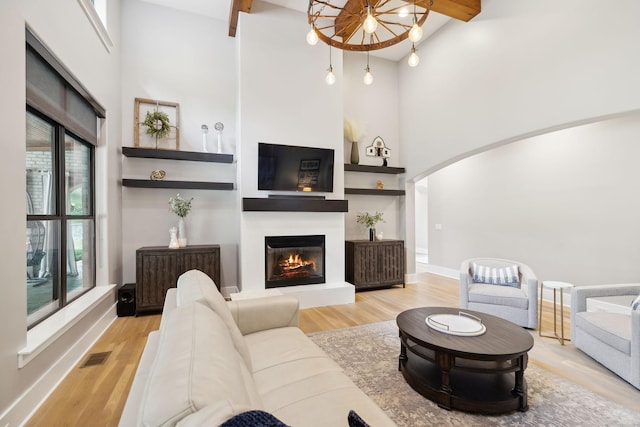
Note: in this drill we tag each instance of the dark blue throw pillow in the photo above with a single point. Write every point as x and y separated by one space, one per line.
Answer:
253 419
355 420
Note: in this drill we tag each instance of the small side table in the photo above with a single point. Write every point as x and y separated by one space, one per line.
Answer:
556 286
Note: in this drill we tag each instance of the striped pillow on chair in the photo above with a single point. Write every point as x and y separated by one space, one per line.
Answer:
505 276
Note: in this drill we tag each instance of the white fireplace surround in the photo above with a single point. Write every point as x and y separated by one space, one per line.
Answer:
258 225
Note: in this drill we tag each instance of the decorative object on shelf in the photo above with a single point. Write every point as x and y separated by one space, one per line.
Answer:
157 175
173 242
219 127
379 235
379 149
380 185
370 222
181 207
342 25
156 124
353 132
205 130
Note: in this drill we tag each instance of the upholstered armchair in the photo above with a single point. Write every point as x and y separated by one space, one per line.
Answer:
514 299
611 338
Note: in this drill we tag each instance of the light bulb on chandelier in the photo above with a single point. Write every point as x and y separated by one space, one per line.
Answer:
414 59
368 77
330 79
312 37
370 23
415 33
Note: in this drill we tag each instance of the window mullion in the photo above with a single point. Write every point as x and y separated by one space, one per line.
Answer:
61 202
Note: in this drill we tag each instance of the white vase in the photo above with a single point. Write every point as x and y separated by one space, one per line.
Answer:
173 234
182 233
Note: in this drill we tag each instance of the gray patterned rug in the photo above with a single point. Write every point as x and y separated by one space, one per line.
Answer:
369 356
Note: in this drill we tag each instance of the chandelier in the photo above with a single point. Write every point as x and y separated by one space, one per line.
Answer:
366 25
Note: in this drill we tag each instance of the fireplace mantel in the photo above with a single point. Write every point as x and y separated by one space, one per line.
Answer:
296 204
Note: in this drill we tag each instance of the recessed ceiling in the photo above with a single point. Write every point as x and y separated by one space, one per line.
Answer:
219 9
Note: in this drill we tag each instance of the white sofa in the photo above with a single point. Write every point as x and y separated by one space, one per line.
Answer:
612 337
212 360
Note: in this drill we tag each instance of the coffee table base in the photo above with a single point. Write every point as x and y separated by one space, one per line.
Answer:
488 387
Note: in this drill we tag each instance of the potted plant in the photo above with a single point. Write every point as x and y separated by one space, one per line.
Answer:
181 207
370 222
353 132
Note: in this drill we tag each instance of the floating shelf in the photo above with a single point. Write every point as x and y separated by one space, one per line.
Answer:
192 185
348 167
296 204
192 156
374 192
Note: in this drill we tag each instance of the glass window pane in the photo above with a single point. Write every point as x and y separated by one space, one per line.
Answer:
80 257
40 166
78 176
43 280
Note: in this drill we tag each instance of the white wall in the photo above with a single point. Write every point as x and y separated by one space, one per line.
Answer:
565 203
283 99
176 56
22 389
518 69
375 108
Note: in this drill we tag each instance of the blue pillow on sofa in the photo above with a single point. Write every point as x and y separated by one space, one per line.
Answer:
505 276
253 418
354 420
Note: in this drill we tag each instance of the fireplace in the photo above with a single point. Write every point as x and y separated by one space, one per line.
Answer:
293 260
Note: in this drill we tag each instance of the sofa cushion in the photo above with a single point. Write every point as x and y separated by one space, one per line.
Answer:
196 365
613 329
194 285
499 295
212 415
506 276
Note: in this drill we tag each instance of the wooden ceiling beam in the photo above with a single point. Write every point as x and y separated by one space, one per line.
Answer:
236 7
464 10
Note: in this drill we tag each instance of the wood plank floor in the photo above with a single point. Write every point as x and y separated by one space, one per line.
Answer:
95 395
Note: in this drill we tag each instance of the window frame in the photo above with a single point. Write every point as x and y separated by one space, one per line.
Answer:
60 216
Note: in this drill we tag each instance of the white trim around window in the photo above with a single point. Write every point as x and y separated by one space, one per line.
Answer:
99 24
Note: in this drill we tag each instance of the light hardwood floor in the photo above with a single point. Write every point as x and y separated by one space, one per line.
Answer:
95 395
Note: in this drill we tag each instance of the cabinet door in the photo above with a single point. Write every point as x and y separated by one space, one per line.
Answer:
365 269
207 261
391 263
156 272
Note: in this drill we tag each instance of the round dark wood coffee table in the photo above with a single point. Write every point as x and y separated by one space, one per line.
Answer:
482 373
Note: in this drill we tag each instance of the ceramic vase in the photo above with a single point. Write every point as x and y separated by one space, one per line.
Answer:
182 233
355 155
173 242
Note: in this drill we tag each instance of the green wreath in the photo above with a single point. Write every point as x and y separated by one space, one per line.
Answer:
157 124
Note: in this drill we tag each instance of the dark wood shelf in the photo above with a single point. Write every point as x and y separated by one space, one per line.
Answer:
192 185
374 192
193 156
294 204
348 167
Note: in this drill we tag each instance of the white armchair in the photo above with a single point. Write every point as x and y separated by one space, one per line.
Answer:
518 303
611 338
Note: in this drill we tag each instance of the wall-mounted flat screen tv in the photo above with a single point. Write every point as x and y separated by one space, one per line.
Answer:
294 168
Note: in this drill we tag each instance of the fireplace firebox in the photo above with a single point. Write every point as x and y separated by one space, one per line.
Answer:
294 260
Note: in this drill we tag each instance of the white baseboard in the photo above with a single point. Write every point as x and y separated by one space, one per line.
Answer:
441 271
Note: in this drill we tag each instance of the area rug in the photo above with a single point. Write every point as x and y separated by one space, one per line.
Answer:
369 356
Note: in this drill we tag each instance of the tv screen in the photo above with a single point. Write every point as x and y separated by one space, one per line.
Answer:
293 168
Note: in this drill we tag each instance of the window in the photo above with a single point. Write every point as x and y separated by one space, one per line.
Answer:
61 132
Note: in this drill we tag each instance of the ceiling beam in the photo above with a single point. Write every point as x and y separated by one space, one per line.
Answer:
237 6
464 10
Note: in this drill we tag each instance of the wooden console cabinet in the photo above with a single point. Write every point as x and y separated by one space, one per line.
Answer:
376 264
158 269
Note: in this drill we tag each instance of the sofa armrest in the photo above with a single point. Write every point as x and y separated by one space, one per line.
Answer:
579 294
259 314
465 279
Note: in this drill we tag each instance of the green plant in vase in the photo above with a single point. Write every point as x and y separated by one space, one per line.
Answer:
181 207
370 222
